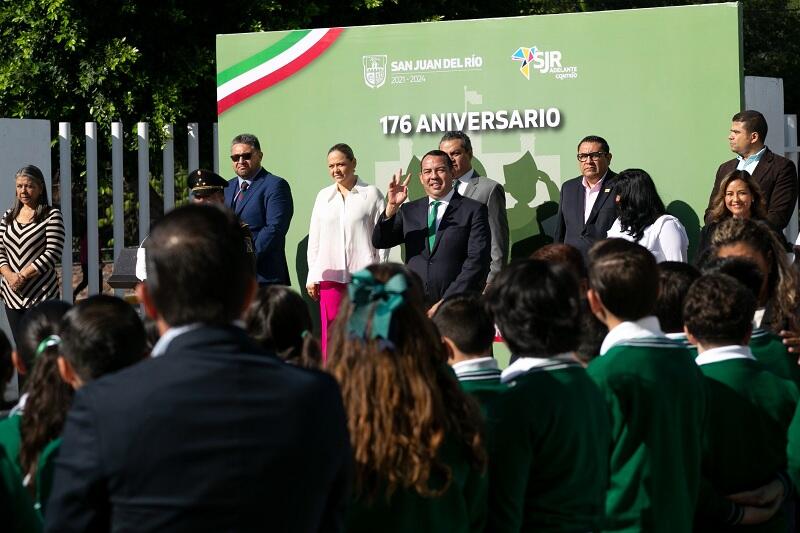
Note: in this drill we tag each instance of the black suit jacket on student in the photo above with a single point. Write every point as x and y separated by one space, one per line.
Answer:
571 228
459 261
777 178
214 435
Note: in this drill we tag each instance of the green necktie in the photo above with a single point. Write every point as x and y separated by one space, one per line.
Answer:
432 224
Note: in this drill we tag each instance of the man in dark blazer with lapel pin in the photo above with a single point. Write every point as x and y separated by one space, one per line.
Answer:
263 201
470 184
775 175
587 206
447 237
211 433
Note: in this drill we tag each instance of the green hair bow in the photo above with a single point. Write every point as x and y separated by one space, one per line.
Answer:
371 298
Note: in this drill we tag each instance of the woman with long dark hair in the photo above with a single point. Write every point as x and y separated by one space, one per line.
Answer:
738 196
642 218
416 436
31 242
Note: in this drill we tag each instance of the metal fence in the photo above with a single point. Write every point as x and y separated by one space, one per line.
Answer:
117 181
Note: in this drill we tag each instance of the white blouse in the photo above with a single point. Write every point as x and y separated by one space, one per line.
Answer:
665 238
340 236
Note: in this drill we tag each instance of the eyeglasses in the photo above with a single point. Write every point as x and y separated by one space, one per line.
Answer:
246 156
594 156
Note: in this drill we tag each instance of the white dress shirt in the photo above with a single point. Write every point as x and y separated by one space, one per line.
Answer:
340 236
750 163
665 238
463 181
590 194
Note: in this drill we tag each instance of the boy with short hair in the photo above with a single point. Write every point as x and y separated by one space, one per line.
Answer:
654 392
468 333
749 408
548 466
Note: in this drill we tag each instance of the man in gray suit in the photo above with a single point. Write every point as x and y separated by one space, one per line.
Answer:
472 185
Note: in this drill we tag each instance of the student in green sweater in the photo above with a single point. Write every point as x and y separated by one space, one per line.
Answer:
416 436
467 334
654 393
749 409
39 415
768 348
548 463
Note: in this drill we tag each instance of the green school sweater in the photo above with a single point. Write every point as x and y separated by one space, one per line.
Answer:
11 438
769 349
461 509
793 449
656 399
744 444
16 505
480 378
548 464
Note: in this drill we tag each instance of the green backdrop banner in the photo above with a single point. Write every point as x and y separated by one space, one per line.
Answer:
659 84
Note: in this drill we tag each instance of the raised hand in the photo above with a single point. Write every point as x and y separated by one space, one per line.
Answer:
398 192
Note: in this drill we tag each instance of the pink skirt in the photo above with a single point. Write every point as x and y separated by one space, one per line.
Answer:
330 297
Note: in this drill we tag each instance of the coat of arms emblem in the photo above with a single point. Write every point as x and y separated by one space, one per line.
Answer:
374 71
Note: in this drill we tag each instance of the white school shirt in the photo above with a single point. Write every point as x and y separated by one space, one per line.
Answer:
665 238
636 329
340 236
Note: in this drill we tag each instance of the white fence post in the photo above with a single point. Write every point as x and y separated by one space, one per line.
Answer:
118 190
791 151
169 167
65 189
91 208
143 131
194 146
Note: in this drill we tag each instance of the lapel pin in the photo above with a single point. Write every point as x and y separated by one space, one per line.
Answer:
607 190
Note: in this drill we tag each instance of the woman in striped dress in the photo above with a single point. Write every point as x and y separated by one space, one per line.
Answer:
31 241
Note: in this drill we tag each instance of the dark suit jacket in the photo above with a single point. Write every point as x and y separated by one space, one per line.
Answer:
459 261
571 228
267 210
214 435
777 177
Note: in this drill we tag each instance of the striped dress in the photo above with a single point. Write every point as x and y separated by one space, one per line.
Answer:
40 243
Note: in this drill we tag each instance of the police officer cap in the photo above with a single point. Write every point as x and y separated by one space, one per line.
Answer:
204 180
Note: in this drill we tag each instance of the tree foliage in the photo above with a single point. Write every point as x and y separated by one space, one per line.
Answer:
153 60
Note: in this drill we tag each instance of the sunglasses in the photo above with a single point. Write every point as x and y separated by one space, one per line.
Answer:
246 156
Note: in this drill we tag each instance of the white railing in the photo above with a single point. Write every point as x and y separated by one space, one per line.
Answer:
117 180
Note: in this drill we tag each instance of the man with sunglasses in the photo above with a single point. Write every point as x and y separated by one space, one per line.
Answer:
586 208
263 201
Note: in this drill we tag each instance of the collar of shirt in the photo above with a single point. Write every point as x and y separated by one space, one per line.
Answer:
523 365
20 407
170 335
750 163
755 157
472 365
249 182
596 186
463 181
357 188
639 329
724 353
442 201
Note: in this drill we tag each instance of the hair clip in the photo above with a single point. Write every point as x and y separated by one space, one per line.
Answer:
48 342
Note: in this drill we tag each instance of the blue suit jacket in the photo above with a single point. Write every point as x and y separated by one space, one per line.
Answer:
213 435
267 209
459 261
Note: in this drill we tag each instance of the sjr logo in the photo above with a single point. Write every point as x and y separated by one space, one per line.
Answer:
540 60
